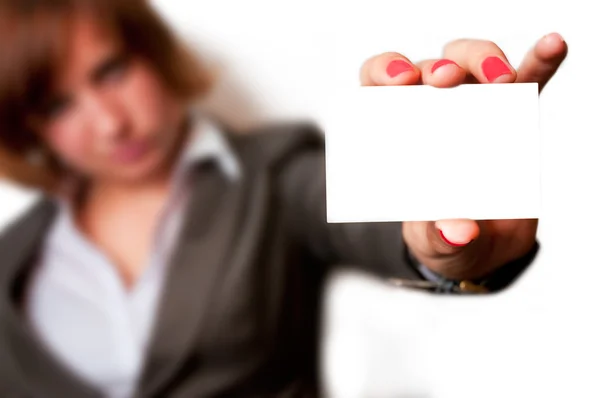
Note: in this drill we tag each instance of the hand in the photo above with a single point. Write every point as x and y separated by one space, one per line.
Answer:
467 249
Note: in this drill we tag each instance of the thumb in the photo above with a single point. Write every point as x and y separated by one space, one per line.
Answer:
454 248
450 248
456 233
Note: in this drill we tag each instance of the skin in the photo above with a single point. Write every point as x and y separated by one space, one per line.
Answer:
106 104
477 247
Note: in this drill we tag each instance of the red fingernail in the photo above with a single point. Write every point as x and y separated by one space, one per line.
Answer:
441 63
493 68
451 243
397 66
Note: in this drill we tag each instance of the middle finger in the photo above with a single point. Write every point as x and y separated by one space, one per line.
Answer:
482 59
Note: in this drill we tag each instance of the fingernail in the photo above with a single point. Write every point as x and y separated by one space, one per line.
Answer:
451 243
549 37
441 63
397 66
493 68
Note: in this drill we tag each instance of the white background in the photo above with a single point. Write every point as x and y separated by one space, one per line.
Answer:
539 339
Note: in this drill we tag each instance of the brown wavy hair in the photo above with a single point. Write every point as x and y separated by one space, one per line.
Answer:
33 34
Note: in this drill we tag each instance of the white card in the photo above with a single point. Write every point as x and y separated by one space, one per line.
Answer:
415 153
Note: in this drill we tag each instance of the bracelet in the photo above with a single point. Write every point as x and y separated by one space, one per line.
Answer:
442 286
494 282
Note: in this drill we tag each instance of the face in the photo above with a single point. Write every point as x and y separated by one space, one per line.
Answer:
112 117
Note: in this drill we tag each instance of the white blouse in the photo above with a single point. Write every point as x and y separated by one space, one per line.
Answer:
77 302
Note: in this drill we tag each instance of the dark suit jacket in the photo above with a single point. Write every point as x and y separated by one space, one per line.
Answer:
240 313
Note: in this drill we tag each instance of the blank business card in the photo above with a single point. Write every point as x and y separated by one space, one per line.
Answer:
417 153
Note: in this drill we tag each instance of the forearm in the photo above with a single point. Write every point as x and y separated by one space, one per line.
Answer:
373 247
377 248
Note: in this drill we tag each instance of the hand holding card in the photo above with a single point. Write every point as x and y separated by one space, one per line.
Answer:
458 164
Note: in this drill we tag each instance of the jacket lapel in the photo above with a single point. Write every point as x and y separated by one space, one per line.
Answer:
198 261
38 369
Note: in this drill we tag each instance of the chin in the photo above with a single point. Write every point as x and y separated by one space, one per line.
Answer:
145 170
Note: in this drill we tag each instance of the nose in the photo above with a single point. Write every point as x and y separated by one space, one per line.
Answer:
106 117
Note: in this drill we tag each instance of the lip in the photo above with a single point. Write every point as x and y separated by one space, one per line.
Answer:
131 152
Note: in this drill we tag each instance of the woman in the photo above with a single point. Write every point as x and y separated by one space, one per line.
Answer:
170 257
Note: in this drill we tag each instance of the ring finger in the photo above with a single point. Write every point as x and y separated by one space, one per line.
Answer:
441 73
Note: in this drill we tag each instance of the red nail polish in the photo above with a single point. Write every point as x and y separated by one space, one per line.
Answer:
493 68
451 243
441 63
397 66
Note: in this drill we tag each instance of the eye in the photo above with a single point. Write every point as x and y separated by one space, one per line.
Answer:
112 70
56 107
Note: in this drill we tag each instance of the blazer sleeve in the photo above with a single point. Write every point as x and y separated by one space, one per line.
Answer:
377 248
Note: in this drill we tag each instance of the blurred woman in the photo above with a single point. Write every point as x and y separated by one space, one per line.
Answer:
171 256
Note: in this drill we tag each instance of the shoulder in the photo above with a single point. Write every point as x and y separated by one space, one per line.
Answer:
25 230
272 144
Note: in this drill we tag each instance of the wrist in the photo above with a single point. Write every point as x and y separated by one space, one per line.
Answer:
494 281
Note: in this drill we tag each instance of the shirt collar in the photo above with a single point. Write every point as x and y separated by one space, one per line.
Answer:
207 141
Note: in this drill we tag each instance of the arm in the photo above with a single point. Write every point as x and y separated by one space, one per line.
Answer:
375 247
